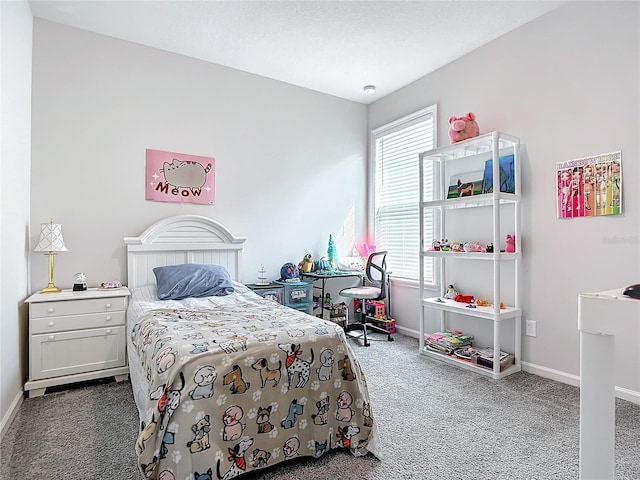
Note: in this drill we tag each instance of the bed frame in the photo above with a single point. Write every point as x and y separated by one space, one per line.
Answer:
182 239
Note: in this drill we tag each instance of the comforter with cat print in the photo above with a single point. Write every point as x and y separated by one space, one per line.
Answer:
241 387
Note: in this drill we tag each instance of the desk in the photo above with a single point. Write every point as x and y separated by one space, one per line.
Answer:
314 276
601 316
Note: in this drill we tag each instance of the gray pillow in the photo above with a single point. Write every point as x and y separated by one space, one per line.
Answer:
192 280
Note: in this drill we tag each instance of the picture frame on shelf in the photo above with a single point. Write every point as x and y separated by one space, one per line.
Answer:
465 184
507 175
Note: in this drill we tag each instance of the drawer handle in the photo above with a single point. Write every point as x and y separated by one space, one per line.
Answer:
109 332
52 337
51 310
108 305
51 324
108 318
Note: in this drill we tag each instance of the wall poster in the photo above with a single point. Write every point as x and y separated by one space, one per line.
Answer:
590 186
179 177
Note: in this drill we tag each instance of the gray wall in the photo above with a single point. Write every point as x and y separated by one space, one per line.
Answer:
15 138
289 161
567 84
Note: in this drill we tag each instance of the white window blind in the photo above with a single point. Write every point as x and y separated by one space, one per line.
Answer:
396 148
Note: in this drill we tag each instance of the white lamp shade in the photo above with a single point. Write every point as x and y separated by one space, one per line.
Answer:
50 238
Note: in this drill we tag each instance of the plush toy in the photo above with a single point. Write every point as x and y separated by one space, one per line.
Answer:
461 128
306 265
511 244
451 292
463 298
474 247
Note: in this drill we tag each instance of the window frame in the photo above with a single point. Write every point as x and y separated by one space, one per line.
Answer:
388 129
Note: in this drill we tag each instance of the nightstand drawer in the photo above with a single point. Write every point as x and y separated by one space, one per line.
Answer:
77 307
67 353
76 322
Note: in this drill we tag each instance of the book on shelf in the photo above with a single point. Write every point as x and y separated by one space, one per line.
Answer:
453 339
505 362
435 347
488 353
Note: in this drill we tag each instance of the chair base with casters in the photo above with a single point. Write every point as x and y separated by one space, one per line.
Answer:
377 290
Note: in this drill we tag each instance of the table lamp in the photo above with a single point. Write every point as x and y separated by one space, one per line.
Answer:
50 241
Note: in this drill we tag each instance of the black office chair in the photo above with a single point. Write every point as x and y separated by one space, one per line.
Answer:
376 275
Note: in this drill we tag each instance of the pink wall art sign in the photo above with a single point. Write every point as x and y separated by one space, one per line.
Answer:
178 177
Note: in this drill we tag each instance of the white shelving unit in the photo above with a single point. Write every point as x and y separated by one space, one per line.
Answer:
440 162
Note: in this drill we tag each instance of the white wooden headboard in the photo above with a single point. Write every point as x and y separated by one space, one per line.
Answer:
182 239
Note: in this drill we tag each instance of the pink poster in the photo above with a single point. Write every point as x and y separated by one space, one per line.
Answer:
590 186
178 177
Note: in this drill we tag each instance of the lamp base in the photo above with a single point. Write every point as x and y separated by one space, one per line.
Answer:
50 289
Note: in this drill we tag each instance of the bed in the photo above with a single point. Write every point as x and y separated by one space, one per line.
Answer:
230 382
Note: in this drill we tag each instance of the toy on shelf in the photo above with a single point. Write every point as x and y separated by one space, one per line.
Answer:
462 128
450 293
445 246
511 244
483 302
435 245
463 298
457 247
306 265
490 248
474 247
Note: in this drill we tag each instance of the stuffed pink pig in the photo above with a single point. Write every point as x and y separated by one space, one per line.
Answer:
461 128
511 244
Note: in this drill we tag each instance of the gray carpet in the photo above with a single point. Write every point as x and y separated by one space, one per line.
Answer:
436 422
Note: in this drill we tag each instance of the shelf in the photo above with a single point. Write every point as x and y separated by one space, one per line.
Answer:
483 200
472 146
473 255
479 312
452 360
469 161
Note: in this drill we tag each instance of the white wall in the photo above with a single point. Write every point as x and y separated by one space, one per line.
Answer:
567 84
15 137
290 161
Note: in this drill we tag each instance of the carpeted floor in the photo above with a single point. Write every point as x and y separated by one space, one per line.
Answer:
436 422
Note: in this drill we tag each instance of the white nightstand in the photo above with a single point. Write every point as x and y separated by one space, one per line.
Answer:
76 336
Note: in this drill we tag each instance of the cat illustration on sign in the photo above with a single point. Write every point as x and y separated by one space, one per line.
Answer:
187 174
179 177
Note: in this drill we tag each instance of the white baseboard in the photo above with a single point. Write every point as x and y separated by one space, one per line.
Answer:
557 375
11 413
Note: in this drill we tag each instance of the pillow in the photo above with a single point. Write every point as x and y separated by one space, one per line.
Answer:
175 282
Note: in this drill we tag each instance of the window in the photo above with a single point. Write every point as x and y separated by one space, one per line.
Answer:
395 150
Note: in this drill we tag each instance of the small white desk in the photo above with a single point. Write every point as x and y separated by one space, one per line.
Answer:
601 316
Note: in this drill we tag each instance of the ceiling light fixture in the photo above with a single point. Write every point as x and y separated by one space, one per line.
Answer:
370 89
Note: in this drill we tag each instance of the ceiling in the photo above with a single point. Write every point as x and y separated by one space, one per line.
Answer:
334 47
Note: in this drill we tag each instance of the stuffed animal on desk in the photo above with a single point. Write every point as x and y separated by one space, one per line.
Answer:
306 265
